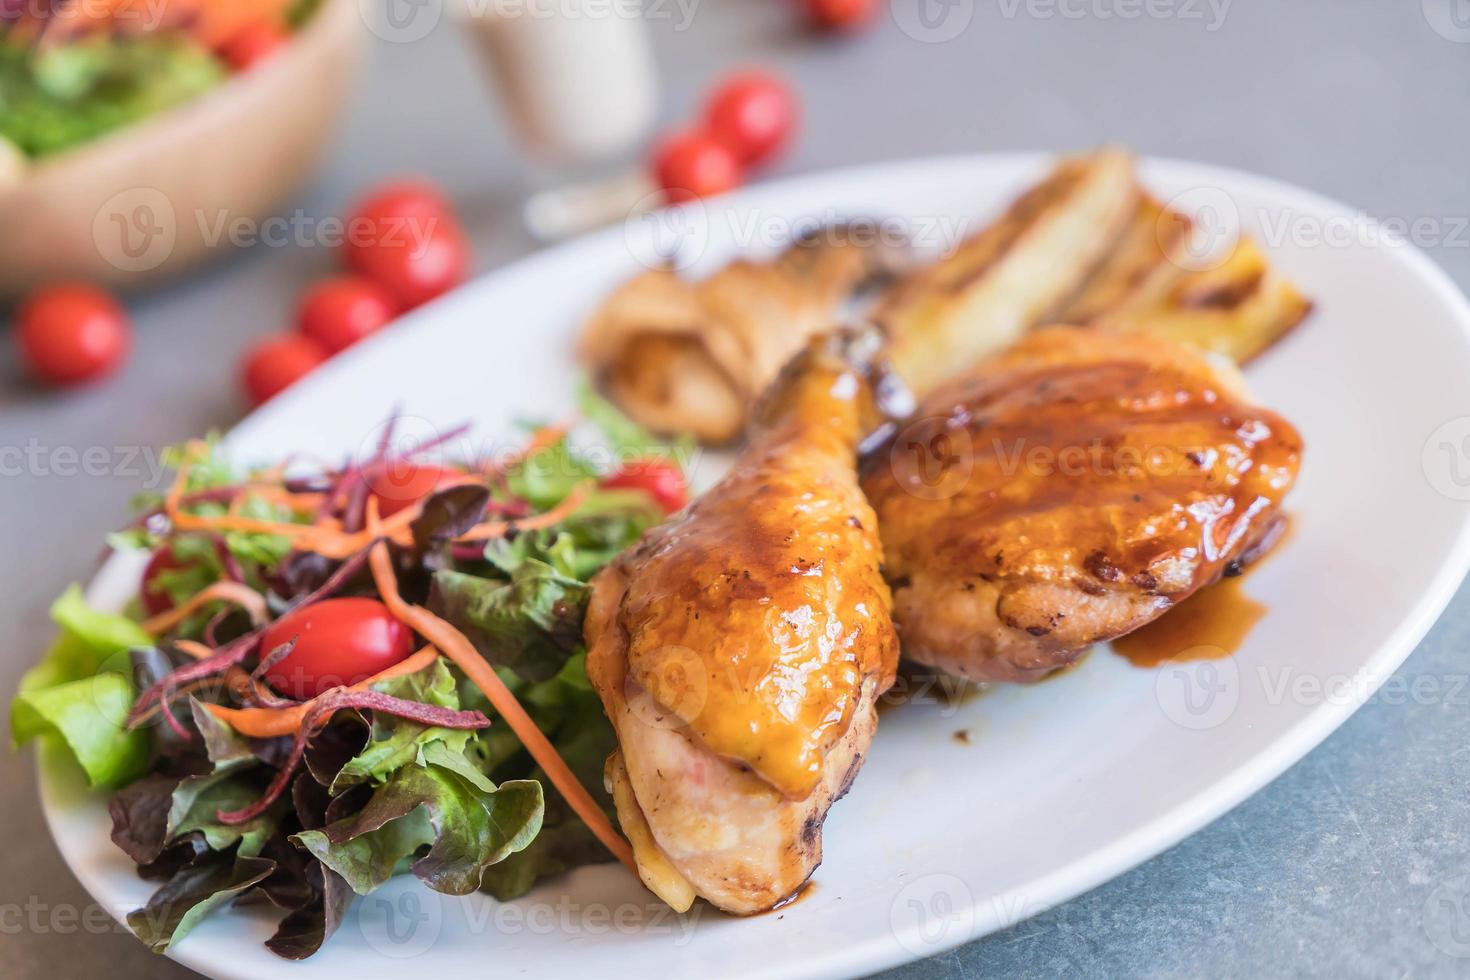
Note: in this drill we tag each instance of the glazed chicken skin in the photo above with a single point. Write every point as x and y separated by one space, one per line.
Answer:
740 648
1066 492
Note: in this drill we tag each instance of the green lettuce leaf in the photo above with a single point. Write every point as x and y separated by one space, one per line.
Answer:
605 524
548 477
80 692
89 641
397 742
563 845
529 624
234 782
567 708
194 892
465 827
71 93
627 438
88 716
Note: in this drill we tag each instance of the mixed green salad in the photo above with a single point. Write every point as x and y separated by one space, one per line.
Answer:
335 676
72 72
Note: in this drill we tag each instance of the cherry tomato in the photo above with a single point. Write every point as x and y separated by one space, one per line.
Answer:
406 238
659 478
338 642
416 270
753 114
71 334
337 313
401 485
841 15
690 165
374 216
155 600
251 45
276 363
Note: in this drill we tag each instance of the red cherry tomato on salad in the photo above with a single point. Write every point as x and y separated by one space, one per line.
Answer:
73 333
251 45
338 641
753 114
691 165
337 313
401 485
276 363
841 15
155 600
659 478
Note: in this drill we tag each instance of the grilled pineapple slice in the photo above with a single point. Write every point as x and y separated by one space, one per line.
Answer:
1144 260
1006 279
1238 308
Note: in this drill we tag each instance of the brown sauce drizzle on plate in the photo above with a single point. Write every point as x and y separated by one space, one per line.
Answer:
800 895
1210 624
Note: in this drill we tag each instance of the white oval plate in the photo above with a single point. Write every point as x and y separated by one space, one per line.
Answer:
1062 786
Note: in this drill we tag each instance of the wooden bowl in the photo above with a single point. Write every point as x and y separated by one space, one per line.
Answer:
150 200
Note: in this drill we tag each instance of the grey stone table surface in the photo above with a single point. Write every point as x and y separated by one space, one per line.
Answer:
1347 865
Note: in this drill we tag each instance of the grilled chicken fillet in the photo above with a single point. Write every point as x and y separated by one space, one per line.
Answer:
739 650
1068 491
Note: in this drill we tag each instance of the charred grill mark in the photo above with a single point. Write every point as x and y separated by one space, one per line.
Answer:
1146 581
811 830
848 777
1101 567
1225 296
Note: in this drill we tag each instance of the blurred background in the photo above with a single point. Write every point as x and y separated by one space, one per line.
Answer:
1323 873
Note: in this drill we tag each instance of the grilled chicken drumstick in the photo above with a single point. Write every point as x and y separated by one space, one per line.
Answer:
739 650
1069 490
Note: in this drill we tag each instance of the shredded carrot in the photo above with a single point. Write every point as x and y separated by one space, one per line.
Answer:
324 538
193 648
463 653
327 539
552 517
296 502
273 722
239 593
